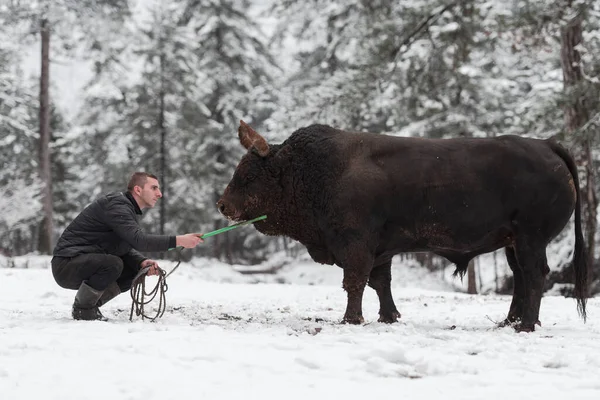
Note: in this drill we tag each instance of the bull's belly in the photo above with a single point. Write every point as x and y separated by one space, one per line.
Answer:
436 238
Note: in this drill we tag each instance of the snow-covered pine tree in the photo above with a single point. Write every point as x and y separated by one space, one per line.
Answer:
195 68
20 203
56 26
238 70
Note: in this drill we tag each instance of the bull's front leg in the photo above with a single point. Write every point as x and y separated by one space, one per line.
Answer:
380 279
356 275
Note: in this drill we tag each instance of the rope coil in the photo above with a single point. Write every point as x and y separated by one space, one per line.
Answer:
140 297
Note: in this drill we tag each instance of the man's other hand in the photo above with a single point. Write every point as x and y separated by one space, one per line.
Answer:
154 270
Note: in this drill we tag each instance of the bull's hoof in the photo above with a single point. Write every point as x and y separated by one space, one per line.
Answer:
523 327
389 318
354 320
511 319
506 322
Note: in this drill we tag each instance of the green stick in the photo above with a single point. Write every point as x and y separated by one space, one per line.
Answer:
228 228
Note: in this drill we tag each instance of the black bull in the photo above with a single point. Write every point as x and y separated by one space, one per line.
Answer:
357 199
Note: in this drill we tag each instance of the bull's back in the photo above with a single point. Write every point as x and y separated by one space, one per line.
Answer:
458 194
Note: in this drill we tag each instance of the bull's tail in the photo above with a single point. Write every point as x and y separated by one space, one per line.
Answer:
580 266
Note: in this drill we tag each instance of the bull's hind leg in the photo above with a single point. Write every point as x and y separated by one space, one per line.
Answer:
531 257
515 313
380 279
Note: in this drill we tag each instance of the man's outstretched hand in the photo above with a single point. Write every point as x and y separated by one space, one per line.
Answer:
189 241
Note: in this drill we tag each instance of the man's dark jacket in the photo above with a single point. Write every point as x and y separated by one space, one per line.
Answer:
110 225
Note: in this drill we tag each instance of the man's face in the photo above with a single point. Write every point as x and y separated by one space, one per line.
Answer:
149 193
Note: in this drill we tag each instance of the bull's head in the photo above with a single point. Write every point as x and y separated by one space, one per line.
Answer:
255 188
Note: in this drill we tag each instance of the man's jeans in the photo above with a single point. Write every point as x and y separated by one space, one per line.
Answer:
97 270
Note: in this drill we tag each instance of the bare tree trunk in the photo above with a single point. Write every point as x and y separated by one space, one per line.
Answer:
479 278
461 57
163 149
45 237
496 287
576 113
591 216
220 243
576 116
471 279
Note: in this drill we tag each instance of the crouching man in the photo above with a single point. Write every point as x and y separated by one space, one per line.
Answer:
98 253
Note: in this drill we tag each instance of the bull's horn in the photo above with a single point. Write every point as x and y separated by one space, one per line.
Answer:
250 138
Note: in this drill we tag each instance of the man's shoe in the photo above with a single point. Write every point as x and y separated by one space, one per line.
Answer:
84 306
88 314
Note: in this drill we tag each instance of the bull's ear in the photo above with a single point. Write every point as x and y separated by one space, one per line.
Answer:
244 135
249 138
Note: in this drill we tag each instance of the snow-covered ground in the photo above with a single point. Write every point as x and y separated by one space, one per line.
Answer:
231 336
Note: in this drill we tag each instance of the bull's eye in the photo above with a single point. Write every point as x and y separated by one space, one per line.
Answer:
250 177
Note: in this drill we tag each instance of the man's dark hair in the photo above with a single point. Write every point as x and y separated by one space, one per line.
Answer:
139 179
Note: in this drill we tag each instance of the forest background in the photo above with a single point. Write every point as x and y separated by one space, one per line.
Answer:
92 90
